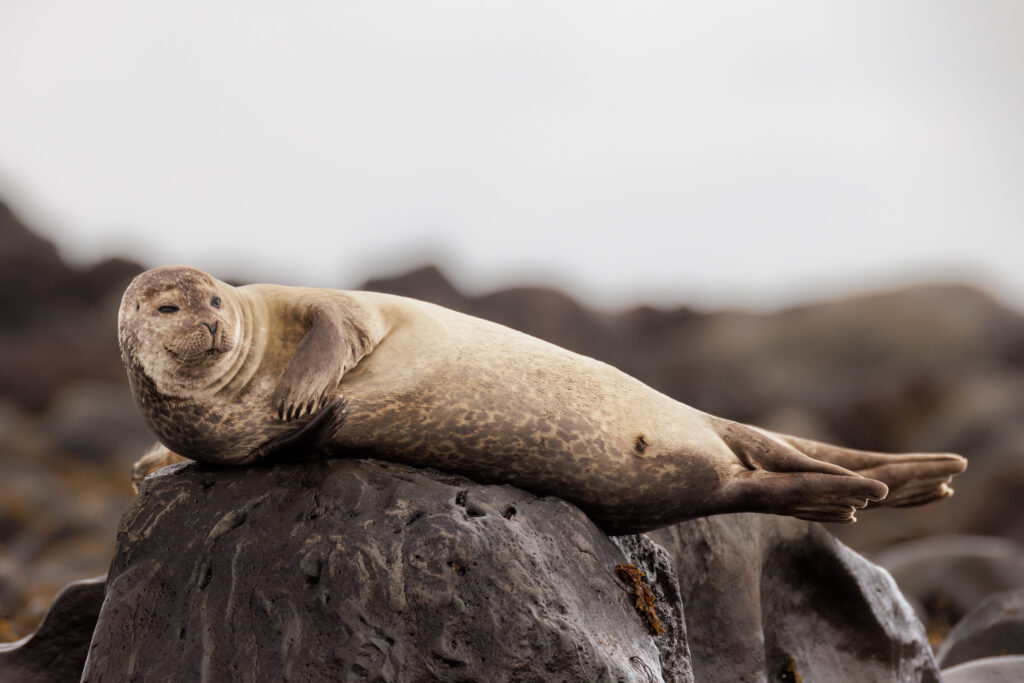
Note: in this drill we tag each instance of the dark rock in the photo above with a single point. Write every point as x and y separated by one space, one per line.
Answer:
105 279
950 575
776 598
547 313
541 312
31 271
56 322
58 648
660 572
992 629
356 570
426 283
988 670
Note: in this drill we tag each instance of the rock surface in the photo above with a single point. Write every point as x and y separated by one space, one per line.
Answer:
347 570
949 575
57 650
992 629
660 575
776 598
988 670
357 570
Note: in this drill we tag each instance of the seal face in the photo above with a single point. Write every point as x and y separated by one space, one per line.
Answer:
235 375
179 328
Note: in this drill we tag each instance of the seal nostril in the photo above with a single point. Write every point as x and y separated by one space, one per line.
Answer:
211 327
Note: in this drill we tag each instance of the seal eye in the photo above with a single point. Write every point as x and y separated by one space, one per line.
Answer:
215 302
168 309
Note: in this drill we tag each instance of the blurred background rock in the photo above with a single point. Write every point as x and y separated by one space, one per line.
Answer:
928 368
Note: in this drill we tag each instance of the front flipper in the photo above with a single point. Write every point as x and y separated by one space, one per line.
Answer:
316 437
781 480
912 478
314 370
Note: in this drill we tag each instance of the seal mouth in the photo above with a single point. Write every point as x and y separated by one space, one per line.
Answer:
208 353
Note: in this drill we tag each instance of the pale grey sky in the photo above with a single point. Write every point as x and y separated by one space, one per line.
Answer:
705 152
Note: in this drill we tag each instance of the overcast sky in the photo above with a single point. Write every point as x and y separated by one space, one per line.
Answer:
716 153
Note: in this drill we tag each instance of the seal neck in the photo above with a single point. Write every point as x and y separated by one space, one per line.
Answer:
248 352
252 342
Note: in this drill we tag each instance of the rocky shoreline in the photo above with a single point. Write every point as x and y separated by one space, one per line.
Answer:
928 368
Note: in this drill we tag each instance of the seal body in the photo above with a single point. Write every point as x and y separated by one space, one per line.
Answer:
431 387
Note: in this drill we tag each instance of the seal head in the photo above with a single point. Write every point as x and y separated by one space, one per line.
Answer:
179 328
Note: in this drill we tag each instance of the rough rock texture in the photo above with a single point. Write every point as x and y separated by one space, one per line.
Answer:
660 574
993 628
988 670
776 598
57 650
356 570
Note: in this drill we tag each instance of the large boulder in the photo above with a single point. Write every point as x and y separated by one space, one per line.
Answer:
348 570
777 598
358 570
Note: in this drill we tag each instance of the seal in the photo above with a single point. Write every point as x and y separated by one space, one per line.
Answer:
242 375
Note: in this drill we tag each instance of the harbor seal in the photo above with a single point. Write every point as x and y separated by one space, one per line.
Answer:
241 375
